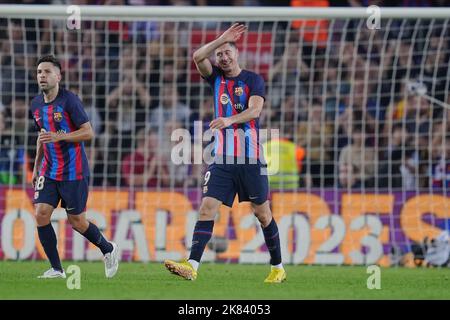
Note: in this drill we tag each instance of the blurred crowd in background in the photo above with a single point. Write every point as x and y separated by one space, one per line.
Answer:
345 98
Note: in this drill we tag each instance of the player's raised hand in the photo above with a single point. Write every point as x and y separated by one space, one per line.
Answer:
233 33
220 123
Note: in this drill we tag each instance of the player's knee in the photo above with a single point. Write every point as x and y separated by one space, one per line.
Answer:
43 216
207 211
263 214
264 218
78 222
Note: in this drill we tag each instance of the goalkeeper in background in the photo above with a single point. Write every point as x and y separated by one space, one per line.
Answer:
238 101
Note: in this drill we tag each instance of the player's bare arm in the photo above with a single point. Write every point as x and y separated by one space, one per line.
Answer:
255 105
84 133
201 55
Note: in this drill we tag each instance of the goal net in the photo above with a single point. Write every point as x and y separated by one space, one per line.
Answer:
360 102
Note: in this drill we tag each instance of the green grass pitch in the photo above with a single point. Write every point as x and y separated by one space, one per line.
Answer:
221 281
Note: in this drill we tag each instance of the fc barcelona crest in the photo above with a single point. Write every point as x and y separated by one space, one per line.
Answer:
238 91
57 116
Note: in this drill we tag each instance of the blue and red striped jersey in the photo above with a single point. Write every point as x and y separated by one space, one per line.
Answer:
231 96
63 161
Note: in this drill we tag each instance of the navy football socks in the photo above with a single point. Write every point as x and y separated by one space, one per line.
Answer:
94 236
273 242
47 236
202 234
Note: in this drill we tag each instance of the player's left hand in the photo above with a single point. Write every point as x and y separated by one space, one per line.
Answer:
220 123
48 137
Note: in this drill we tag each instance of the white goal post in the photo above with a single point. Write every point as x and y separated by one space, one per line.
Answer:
360 97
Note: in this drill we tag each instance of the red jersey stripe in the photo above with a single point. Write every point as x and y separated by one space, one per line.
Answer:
78 156
58 151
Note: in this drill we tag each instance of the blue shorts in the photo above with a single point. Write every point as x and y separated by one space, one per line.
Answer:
72 194
223 181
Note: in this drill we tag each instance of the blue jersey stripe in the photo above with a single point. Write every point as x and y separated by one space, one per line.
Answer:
230 142
251 150
238 90
63 160
63 146
216 142
216 97
69 147
243 97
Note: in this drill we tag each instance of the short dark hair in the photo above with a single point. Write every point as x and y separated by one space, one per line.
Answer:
231 43
20 96
50 58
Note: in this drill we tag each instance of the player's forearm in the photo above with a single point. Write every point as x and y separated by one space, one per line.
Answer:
82 134
247 115
205 51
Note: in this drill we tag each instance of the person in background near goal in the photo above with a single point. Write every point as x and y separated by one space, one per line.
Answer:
61 169
238 101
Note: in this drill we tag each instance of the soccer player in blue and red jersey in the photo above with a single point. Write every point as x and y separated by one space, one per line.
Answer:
61 171
238 101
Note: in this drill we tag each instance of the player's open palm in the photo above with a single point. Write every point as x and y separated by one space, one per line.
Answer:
47 137
234 32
